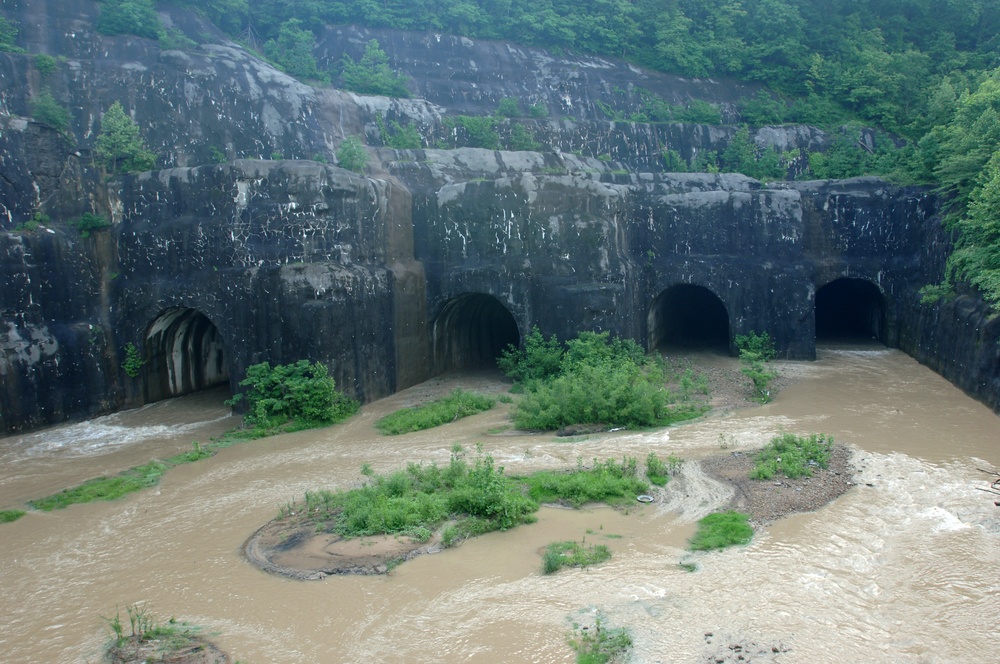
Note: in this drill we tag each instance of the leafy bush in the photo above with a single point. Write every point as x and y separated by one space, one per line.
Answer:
45 109
404 138
509 108
455 406
133 360
572 554
522 139
351 155
293 51
480 130
595 380
45 64
119 146
129 17
90 223
658 472
8 33
298 395
756 350
721 530
372 75
792 456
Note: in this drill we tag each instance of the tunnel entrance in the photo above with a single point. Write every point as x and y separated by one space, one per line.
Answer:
471 331
688 317
184 353
850 311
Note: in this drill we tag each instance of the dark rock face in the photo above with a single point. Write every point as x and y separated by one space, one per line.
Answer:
438 258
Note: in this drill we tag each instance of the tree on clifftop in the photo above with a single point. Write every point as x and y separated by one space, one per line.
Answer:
119 147
372 75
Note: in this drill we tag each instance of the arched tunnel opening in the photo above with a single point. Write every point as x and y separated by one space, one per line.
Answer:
850 311
688 317
184 353
470 333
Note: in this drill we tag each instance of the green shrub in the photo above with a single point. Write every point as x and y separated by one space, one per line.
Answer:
792 456
129 17
455 406
721 530
45 64
293 51
404 138
756 351
119 146
595 380
509 108
351 155
45 109
292 396
89 223
372 75
658 472
7 516
480 130
522 139
8 34
133 360
572 554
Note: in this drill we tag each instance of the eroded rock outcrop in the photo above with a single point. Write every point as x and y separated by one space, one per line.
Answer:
432 260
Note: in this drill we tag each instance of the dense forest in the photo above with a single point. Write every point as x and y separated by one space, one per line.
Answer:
926 72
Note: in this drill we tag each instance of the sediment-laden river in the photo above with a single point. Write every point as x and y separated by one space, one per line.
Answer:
903 568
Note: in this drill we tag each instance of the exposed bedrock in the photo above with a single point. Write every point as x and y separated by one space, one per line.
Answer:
436 259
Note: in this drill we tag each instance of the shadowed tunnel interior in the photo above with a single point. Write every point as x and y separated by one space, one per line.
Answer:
184 353
471 331
688 316
850 310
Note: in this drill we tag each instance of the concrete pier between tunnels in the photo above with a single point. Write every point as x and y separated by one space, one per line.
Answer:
470 333
690 317
184 353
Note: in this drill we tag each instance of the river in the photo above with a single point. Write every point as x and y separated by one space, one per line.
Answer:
903 568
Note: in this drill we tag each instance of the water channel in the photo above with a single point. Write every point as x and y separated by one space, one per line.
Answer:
903 568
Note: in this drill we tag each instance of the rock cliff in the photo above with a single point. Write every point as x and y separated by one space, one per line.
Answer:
250 245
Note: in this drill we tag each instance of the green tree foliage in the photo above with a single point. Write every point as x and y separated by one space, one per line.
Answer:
976 258
119 147
8 37
45 64
351 155
372 75
292 50
129 17
300 393
45 109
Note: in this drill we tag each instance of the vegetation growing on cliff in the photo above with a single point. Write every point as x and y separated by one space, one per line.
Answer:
595 379
371 75
119 147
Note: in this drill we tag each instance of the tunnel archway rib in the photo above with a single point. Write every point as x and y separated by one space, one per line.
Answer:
850 310
184 353
690 317
470 333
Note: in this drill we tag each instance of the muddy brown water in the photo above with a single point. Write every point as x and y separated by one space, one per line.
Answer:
904 568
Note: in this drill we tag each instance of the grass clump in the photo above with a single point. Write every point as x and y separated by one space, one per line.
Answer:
572 554
148 639
721 530
659 472
7 516
609 482
600 644
479 498
594 379
456 405
471 499
128 481
793 456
